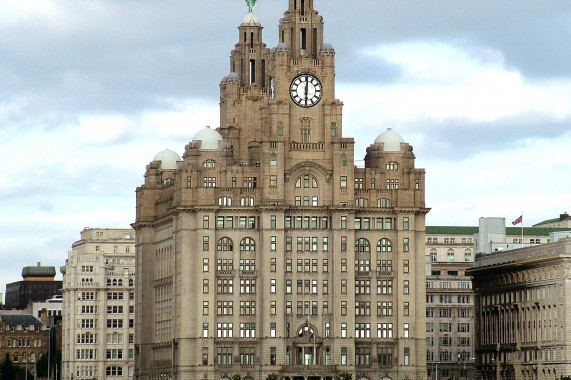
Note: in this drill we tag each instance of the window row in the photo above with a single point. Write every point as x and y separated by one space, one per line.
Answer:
304 356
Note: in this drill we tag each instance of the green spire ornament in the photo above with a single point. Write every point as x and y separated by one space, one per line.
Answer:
251 4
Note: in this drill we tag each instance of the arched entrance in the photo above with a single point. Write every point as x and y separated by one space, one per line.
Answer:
306 346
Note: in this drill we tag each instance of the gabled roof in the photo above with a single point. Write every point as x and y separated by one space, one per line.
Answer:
19 319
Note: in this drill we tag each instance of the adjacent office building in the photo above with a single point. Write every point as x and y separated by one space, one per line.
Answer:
264 250
37 284
522 307
99 306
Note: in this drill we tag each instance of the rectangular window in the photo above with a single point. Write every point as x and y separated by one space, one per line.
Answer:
205 222
205 243
224 356
385 356
405 223
343 243
343 181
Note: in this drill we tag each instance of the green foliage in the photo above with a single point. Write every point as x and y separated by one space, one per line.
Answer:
272 376
7 369
566 377
345 376
236 377
10 371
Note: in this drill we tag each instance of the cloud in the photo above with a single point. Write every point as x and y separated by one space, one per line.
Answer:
465 96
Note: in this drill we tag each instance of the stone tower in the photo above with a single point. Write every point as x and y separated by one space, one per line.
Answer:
264 250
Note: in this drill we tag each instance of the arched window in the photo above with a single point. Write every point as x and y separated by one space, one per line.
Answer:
306 181
392 165
225 244
224 201
247 201
384 202
450 255
305 329
384 245
343 159
209 164
468 255
305 130
362 245
247 244
273 159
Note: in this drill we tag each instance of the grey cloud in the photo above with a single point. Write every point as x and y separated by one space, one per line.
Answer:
130 55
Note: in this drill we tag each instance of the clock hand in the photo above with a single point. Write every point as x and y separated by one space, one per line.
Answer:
306 86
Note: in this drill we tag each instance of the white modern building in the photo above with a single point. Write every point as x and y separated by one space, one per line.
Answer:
99 306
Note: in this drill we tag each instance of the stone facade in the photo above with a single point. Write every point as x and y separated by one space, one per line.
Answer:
522 304
99 306
23 337
264 249
449 302
450 251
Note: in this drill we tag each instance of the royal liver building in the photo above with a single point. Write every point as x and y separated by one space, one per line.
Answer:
264 250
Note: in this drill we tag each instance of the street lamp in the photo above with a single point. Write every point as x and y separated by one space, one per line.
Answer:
26 344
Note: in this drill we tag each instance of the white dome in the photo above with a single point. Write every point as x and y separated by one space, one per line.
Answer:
282 46
168 159
391 141
251 20
327 48
209 138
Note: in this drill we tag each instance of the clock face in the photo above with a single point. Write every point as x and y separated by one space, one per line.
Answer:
305 90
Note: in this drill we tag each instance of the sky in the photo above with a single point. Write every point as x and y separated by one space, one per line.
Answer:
91 90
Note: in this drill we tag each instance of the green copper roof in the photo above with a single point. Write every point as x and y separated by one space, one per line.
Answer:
451 230
38 271
553 220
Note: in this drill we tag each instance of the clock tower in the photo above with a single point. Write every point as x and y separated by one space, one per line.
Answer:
264 250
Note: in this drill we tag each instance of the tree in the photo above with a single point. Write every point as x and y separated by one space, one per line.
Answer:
7 369
345 376
272 376
236 377
566 377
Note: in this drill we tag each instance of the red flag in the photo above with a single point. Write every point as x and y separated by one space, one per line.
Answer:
518 220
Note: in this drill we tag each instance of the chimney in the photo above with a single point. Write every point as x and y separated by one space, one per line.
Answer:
565 215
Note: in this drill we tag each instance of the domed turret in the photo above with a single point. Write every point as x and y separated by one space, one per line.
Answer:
282 46
168 159
391 140
209 138
327 48
251 20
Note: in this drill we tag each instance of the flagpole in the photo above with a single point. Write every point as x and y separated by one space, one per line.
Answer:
522 229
